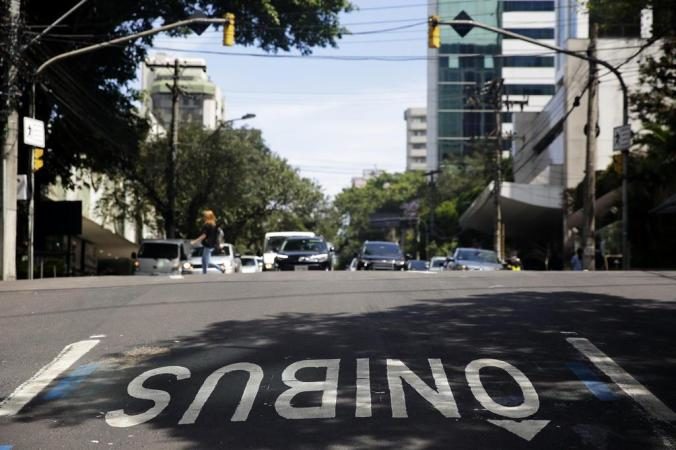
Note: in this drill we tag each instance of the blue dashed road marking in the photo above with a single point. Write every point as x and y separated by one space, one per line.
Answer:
597 387
69 383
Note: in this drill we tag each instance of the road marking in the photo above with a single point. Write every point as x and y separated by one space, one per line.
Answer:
97 336
624 380
33 386
246 403
526 429
531 401
441 398
589 378
328 388
68 384
363 408
160 398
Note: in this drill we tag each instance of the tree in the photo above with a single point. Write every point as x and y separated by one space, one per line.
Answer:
230 171
89 104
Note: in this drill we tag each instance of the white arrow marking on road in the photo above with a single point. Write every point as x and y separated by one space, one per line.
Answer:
33 386
526 429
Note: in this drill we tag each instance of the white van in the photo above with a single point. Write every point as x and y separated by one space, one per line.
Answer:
163 257
275 240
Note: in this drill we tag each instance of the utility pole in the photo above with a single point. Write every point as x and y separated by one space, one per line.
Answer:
498 233
10 148
172 155
170 226
589 228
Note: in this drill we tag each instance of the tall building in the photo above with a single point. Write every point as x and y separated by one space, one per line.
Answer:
200 100
416 138
463 65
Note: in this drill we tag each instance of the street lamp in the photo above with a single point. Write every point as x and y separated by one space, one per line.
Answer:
463 24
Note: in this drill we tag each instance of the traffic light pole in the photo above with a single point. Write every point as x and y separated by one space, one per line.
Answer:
434 22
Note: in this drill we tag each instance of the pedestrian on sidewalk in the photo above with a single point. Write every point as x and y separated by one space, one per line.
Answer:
208 238
576 260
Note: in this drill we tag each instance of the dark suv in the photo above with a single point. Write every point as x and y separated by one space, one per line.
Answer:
304 253
380 255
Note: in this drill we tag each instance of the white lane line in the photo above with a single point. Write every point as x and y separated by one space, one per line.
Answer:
43 377
624 380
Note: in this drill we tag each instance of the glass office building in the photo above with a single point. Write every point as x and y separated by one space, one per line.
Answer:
457 117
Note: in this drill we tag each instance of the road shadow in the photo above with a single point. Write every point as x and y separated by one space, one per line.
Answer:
526 329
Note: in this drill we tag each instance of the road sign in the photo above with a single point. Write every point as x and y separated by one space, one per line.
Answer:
462 30
33 132
621 138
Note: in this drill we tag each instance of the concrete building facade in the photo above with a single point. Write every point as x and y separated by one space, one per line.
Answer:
416 138
201 100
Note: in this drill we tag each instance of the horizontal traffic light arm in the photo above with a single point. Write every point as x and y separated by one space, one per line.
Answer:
131 37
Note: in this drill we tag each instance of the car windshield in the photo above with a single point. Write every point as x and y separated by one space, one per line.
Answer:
437 263
274 242
304 245
484 256
158 251
418 265
248 262
382 249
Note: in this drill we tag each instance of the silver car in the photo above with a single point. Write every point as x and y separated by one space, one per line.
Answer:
162 257
474 259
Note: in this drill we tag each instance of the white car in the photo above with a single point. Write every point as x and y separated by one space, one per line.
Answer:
273 241
223 260
437 264
251 264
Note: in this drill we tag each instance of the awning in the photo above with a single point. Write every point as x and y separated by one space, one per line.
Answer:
108 244
526 209
667 207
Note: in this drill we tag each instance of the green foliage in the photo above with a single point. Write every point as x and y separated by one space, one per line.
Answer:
623 17
232 172
454 190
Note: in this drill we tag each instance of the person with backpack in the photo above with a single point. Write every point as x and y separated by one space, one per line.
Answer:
208 238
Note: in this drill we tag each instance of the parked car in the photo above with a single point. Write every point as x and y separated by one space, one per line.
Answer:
418 265
162 257
474 259
438 264
303 253
223 259
273 241
381 255
251 264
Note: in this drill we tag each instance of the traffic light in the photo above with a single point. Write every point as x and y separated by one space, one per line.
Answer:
434 33
229 30
38 163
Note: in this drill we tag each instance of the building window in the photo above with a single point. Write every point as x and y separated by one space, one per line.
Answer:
419 146
528 61
533 33
529 89
510 6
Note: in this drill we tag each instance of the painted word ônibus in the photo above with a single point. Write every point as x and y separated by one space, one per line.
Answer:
439 396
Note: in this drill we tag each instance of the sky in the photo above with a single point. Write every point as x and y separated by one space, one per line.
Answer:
330 118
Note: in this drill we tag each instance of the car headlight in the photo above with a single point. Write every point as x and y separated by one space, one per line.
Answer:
315 258
282 256
187 266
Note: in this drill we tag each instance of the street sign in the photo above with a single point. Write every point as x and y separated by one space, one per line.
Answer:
33 132
621 138
462 30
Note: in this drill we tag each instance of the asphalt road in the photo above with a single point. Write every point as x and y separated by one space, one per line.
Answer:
341 360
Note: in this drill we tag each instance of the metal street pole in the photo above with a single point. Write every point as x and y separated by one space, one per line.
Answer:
89 49
589 228
10 149
625 110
